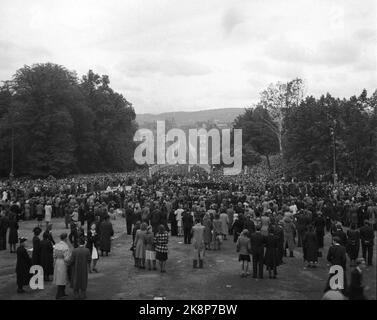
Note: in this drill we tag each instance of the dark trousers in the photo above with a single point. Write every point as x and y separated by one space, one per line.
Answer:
187 235
367 250
3 241
60 292
129 226
258 265
320 240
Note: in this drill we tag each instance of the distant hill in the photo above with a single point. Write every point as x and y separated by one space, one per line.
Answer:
183 118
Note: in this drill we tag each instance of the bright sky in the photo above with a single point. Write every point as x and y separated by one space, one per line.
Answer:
171 55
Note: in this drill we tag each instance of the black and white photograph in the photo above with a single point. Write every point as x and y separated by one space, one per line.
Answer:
189 151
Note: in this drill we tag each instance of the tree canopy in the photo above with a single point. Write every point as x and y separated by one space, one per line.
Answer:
62 124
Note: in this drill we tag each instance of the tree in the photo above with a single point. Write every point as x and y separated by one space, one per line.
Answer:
258 135
277 99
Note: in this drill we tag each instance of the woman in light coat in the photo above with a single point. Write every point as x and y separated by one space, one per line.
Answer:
61 260
198 243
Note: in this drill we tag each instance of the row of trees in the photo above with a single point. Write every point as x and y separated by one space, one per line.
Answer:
59 124
313 136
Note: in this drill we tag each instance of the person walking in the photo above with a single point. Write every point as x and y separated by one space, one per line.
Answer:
61 260
23 266
217 237
79 261
207 223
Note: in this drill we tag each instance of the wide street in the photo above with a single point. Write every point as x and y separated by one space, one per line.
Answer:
119 279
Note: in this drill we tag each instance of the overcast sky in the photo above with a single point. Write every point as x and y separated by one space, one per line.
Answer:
171 55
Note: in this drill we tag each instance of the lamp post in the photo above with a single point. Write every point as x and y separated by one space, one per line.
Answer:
8 85
332 131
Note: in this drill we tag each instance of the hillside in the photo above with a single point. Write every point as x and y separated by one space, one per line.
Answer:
226 115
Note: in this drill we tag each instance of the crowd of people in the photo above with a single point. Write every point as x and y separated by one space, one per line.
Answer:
265 220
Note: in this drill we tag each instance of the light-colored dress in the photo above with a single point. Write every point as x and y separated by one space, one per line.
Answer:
140 244
224 223
48 212
61 259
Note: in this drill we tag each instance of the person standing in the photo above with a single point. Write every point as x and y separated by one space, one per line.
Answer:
129 212
337 256
140 245
36 256
23 266
13 233
61 259
257 243
310 247
161 247
353 244
320 225
217 232
356 288
79 261
289 236
367 242
150 254
39 210
178 217
270 256
187 221
92 244
207 231
47 257
4 225
48 213
106 233
243 248
224 224
198 243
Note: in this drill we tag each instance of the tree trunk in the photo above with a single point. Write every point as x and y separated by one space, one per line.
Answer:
268 162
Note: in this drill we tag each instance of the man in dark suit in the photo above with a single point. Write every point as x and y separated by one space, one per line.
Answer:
187 221
257 250
356 289
367 241
337 256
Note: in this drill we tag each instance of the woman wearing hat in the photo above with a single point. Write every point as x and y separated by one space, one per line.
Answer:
150 254
92 244
36 256
23 266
